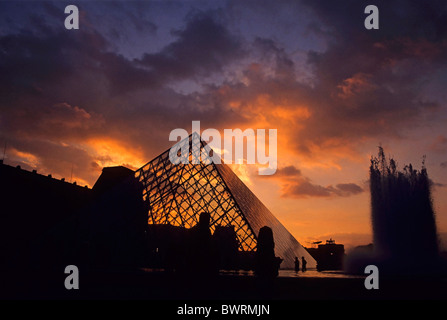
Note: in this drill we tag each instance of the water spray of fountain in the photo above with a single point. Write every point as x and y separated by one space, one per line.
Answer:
403 220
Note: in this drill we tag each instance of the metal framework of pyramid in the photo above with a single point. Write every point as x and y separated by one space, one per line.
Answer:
178 193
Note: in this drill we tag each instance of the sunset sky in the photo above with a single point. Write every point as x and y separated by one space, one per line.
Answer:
111 92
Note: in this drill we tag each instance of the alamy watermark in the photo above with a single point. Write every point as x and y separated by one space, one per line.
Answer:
72 20
232 150
72 280
372 280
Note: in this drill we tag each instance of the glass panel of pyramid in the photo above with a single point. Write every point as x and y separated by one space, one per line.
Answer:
178 192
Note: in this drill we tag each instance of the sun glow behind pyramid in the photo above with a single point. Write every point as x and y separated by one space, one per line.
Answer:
178 193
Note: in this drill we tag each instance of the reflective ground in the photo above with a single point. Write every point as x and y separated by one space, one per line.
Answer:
312 273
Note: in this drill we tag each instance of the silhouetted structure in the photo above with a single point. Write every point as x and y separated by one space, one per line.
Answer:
177 193
116 219
47 224
129 219
329 256
267 264
180 249
227 248
32 206
201 251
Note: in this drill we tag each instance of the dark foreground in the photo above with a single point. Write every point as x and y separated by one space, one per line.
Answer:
164 286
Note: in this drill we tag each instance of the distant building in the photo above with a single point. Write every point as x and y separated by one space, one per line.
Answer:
329 256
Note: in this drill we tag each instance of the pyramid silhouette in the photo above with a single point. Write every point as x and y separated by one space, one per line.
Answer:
178 192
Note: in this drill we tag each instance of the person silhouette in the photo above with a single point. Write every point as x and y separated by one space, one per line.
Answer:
297 264
304 262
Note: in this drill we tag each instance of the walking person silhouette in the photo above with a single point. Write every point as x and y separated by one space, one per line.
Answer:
297 264
304 263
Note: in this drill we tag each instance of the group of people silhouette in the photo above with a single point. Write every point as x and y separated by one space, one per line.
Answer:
303 263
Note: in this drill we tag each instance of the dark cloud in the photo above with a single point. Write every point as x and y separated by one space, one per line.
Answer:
369 83
365 84
296 185
413 18
203 47
69 88
348 188
284 66
289 171
435 184
31 60
303 188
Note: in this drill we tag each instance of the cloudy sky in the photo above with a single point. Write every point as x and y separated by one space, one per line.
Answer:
111 92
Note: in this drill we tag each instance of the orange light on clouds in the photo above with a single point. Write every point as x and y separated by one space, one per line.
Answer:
109 152
24 157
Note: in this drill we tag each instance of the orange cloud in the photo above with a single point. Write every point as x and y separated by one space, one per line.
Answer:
109 152
24 157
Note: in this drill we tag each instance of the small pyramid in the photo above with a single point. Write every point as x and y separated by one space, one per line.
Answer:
178 193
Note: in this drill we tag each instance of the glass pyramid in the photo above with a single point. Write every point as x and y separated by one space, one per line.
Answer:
178 193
